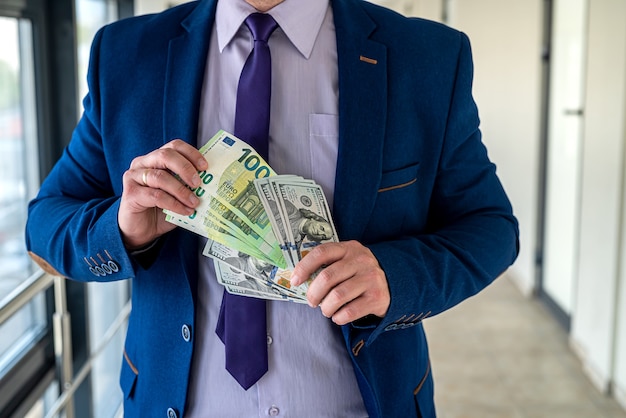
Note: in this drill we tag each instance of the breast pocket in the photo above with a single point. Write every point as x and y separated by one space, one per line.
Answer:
324 140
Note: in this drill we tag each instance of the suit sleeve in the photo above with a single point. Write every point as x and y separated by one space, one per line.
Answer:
471 235
72 227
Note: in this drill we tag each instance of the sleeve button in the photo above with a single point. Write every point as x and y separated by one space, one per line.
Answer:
171 413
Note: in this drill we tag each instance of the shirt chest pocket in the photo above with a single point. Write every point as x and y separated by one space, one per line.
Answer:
324 140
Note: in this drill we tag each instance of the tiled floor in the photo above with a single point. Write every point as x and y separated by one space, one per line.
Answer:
502 355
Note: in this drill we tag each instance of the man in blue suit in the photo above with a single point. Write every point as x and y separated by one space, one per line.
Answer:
374 106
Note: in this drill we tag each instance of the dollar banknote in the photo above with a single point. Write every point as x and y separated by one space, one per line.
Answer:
238 283
267 193
300 212
301 220
259 224
266 278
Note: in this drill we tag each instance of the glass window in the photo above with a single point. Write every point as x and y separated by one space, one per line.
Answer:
19 181
91 15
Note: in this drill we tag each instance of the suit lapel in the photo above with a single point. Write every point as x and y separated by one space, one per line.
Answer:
362 115
186 63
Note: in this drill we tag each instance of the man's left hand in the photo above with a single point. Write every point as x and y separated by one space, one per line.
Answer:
350 285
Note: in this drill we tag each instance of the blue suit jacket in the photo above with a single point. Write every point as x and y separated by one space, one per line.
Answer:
413 183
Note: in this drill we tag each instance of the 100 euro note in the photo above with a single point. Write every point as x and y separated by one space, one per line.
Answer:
230 211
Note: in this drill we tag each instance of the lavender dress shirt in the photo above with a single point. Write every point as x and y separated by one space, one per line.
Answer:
310 373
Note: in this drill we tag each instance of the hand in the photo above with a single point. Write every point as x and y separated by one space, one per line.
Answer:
149 186
349 287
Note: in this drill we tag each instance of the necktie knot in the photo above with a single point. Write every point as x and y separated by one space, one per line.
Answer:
261 25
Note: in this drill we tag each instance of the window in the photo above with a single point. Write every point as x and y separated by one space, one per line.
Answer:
42 83
19 180
19 172
91 15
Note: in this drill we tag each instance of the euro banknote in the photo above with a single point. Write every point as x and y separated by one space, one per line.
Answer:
230 209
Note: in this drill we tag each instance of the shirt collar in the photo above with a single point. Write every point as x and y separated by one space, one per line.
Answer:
300 20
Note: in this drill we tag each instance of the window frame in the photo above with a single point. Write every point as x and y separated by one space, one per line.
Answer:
34 371
53 25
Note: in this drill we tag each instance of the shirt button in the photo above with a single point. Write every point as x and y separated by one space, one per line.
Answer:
273 411
269 339
186 332
171 413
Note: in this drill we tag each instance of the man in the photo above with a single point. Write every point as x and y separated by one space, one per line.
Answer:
375 107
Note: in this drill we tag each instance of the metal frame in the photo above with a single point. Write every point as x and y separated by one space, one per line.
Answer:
64 401
21 296
559 314
28 375
32 374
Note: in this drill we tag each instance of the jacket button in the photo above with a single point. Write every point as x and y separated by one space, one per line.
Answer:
186 332
171 413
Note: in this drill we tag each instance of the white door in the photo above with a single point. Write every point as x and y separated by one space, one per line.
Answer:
564 162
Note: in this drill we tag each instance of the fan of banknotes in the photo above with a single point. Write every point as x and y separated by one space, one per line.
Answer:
258 224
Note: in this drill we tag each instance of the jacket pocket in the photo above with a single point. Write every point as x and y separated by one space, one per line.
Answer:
398 179
128 377
399 206
424 396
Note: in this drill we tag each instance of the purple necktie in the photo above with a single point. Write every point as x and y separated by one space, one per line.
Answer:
242 325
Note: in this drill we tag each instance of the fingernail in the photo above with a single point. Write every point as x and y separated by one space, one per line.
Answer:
295 280
195 180
194 200
202 163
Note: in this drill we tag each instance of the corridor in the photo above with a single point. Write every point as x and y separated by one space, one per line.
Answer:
502 355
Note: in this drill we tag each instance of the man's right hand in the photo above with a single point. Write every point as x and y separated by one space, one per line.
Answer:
150 185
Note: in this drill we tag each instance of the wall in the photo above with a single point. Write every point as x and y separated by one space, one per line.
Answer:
507 85
154 6
594 321
427 9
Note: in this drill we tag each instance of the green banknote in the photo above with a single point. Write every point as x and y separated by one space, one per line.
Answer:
230 211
